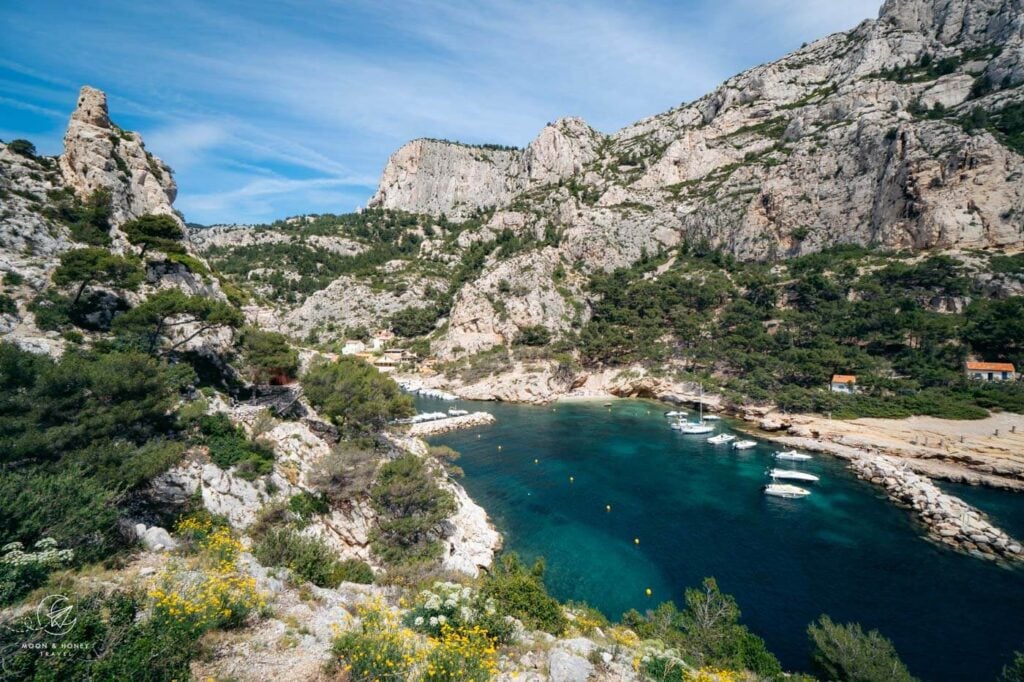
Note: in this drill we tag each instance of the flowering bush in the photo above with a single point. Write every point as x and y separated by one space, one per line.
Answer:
206 591
461 655
452 606
21 571
378 648
188 595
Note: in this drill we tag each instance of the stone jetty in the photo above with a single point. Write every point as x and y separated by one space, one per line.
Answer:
949 519
438 426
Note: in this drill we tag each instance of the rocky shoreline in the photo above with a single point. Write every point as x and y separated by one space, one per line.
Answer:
439 426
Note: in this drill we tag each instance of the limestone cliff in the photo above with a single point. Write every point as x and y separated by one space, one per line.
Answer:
100 155
839 142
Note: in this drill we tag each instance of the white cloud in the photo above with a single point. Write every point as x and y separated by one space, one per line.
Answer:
236 100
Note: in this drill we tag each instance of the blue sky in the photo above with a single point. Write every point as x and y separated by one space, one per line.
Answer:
271 108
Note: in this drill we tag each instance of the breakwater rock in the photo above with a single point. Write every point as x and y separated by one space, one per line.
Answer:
949 519
439 426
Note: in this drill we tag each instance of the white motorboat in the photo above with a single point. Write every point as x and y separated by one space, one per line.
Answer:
793 456
692 428
744 444
785 490
712 418
675 413
789 474
453 412
721 439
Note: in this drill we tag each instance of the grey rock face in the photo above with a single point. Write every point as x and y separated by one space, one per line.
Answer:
99 155
825 146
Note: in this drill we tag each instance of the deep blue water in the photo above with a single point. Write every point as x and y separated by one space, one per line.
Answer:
698 511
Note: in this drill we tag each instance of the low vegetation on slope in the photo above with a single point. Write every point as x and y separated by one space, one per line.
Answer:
904 325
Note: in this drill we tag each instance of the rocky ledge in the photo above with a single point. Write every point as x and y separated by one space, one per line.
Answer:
950 520
439 426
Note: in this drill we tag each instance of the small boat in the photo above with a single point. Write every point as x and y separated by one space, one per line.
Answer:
785 490
712 418
789 474
793 456
721 438
675 413
607 404
453 412
744 444
692 428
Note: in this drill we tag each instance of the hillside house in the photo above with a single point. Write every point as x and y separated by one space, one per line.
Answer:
991 371
353 347
843 383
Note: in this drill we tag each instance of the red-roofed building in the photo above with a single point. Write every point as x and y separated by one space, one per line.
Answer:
991 371
843 383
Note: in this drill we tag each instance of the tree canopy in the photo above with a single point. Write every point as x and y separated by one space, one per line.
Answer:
157 231
156 319
355 395
94 265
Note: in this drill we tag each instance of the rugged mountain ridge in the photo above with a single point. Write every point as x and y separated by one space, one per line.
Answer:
826 145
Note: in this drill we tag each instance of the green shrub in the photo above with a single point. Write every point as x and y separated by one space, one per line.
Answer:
230 447
269 356
706 632
410 505
355 395
309 558
160 232
12 279
111 640
21 572
306 505
519 592
535 335
7 305
1014 670
22 148
415 321
846 654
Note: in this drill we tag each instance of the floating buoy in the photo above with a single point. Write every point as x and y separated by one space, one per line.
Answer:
499 447
571 479
636 541
648 591
536 461
608 507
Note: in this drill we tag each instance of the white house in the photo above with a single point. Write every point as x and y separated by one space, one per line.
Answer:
843 383
352 347
991 371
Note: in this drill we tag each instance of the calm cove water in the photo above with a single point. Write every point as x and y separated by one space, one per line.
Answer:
698 511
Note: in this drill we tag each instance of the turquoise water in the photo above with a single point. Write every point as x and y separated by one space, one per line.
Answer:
698 511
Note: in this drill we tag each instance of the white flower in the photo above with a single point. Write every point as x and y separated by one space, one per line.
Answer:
442 619
433 621
418 621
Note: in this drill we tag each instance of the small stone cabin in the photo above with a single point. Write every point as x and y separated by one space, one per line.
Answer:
843 383
991 371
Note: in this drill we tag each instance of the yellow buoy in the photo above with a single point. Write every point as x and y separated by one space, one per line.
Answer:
648 590
636 541
607 507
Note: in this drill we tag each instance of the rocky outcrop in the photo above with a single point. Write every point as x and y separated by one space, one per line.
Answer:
827 145
98 155
442 177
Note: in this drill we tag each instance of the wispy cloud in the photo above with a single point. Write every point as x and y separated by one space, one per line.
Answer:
267 108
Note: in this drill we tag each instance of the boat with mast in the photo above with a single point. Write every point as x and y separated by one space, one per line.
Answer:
692 428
